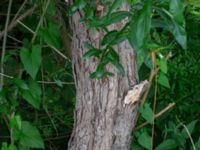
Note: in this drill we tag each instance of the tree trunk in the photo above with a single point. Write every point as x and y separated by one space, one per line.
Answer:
102 121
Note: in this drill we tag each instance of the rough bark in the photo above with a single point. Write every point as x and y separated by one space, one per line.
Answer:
102 122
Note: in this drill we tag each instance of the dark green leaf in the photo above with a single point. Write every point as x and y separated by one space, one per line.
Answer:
109 37
31 59
33 95
178 30
163 80
168 144
21 84
140 26
92 52
147 113
162 63
144 140
115 5
110 19
113 55
190 128
29 136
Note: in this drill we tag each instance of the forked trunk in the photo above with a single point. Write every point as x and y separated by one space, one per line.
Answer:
101 122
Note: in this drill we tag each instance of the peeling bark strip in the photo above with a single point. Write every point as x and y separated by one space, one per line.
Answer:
101 120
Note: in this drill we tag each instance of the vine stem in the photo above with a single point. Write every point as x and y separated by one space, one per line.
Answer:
4 44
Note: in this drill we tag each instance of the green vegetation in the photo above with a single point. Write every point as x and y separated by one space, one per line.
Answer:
37 91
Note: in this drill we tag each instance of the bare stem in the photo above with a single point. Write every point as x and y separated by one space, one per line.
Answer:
4 44
155 97
156 116
14 23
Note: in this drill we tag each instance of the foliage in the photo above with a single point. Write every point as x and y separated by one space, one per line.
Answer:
37 98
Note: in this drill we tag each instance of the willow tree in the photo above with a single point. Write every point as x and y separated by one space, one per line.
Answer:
106 36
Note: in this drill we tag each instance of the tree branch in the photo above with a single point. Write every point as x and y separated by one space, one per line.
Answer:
14 23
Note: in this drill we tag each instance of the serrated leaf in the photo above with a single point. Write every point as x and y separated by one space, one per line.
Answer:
168 144
162 63
147 113
144 140
163 80
29 136
31 59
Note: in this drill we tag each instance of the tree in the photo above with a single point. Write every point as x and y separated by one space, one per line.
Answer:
102 120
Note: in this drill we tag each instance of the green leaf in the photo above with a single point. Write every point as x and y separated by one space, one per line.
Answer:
190 128
163 80
140 26
58 82
198 144
33 94
113 55
49 34
162 63
178 30
114 58
15 121
21 84
31 59
114 6
168 144
6 147
99 72
109 19
92 52
176 8
147 113
109 37
29 136
144 140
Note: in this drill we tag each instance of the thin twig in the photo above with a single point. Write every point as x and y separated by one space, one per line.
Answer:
4 44
42 82
186 129
7 76
14 24
156 116
152 74
55 49
53 82
29 29
153 54
14 39
40 21
19 10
